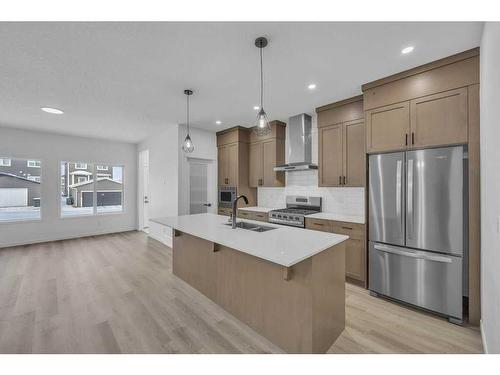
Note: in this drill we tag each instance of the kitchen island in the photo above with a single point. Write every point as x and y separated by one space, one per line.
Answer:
286 283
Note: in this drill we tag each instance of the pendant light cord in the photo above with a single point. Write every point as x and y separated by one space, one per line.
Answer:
187 113
261 79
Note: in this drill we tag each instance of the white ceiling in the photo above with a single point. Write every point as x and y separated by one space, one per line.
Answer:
124 81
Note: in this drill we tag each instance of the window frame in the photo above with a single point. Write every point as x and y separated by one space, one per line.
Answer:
2 164
79 162
95 211
102 167
28 161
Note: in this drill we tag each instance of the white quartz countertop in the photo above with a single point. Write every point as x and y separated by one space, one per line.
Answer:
285 245
256 209
338 217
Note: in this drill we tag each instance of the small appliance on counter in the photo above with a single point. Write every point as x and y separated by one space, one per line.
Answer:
297 208
226 195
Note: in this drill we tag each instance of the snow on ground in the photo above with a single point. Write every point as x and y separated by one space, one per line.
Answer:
33 213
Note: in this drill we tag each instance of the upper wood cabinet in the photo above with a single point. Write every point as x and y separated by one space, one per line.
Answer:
232 157
341 143
387 128
330 144
439 119
265 153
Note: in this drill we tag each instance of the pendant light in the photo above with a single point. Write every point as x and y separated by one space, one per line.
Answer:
187 145
262 127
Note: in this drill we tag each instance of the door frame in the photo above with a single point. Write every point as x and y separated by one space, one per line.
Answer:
211 183
143 161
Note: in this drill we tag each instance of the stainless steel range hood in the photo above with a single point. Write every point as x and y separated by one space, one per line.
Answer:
299 145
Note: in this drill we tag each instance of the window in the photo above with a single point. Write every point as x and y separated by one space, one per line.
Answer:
5 162
80 165
33 163
20 191
102 167
81 195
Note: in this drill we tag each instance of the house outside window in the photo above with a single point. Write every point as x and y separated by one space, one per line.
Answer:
33 163
34 178
102 167
5 162
81 179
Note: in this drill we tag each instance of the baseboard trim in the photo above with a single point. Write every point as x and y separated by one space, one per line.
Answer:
62 238
483 337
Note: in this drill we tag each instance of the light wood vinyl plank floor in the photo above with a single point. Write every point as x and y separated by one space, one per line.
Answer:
116 294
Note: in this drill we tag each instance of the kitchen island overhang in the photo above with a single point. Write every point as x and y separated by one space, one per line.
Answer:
288 284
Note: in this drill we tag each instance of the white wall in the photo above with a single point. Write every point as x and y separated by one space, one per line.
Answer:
163 172
205 147
490 186
51 149
345 201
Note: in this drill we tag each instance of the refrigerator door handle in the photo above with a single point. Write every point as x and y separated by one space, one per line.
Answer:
435 258
398 194
409 202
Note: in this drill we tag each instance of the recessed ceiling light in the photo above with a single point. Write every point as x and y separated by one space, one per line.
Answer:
54 111
256 108
312 86
408 49
218 122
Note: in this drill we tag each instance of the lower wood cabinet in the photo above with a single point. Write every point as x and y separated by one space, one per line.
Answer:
355 263
253 215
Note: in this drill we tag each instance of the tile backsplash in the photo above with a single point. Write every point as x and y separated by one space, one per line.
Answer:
345 201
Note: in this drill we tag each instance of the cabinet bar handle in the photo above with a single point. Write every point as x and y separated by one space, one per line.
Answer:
340 180
318 224
347 228
344 180
412 138
406 139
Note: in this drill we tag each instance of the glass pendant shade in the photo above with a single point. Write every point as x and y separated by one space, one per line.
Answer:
187 145
262 126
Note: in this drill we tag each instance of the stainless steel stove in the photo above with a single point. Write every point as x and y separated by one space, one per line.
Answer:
297 208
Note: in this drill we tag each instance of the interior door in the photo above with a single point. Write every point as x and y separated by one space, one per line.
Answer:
386 198
434 206
330 154
199 200
145 200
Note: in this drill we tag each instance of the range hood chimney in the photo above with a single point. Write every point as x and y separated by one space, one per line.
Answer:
299 145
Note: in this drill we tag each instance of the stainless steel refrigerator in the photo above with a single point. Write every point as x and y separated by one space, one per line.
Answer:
417 228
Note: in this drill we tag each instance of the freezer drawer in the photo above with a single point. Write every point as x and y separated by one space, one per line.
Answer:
428 280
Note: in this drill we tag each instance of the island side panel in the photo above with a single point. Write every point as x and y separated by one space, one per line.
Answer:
328 270
194 261
254 291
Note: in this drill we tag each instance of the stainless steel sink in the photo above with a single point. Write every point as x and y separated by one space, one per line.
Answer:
251 226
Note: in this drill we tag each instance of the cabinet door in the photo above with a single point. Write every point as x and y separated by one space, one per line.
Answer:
222 165
269 160
232 164
387 128
354 153
355 263
330 155
439 119
255 174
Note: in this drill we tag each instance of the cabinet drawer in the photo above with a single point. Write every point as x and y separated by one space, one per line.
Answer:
318 224
246 214
224 211
350 229
260 216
